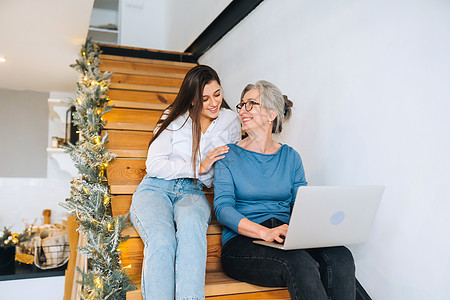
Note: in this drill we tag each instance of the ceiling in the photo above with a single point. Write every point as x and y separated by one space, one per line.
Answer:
39 40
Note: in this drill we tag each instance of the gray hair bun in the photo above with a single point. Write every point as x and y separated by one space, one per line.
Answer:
287 107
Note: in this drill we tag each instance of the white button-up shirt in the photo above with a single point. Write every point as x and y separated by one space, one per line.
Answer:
170 155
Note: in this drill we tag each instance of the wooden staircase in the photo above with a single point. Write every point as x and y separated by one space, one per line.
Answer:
140 90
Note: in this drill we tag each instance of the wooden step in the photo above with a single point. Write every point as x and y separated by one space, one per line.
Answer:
138 105
220 286
129 140
281 294
122 189
146 80
125 143
214 252
130 126
120 204
138 96
124 175
124 67
121 153
185 65
143 87
132 119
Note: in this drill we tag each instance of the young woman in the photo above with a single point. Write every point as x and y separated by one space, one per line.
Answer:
169 209
255 187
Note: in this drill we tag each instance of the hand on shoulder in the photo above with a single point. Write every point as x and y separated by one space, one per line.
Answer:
213 156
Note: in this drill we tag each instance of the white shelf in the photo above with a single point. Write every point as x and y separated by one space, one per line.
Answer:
63 160
55 100
105 12
111 31
55 150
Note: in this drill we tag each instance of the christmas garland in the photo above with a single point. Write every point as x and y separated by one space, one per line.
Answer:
90 195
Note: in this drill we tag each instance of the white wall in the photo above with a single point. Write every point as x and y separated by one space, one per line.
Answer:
187 19
105 12
49 288
24 199
31 178
23 133
369 81
166 25
142 23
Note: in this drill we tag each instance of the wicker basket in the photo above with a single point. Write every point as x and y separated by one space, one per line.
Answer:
51 249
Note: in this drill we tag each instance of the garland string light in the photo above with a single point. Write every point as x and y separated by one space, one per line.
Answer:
90 197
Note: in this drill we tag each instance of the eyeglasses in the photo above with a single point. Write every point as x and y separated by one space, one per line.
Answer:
248 105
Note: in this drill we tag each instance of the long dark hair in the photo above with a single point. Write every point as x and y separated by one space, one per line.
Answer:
189 98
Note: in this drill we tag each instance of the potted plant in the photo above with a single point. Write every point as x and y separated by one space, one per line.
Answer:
8 243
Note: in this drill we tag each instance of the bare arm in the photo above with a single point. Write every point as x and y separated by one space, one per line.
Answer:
254 230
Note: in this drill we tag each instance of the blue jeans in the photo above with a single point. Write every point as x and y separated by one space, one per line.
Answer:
320 273
172 217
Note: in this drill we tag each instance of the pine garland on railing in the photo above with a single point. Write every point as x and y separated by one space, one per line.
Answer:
90 195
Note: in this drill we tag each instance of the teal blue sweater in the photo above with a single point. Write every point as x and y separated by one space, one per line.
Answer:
255 186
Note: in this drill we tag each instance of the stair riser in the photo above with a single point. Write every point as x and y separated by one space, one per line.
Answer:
135 116
145 97
120 204
149 80
126 172
138 105
141 68
128 140
270 295
144 88
219 286
154 62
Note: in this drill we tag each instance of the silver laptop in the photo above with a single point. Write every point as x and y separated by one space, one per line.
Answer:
325 216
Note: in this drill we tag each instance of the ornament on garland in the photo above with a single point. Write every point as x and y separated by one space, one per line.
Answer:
90 195
8 239
8 243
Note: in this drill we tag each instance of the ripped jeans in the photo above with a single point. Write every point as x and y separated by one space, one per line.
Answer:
172 217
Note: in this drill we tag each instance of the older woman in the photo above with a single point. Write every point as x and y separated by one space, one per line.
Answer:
255 187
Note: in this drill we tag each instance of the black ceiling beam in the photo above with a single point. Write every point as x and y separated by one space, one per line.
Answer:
228 18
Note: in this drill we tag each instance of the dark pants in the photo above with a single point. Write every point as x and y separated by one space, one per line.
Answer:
320 273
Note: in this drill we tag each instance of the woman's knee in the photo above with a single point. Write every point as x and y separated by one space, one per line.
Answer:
343 256
301 260
160 239
154 227
192 209
336 258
